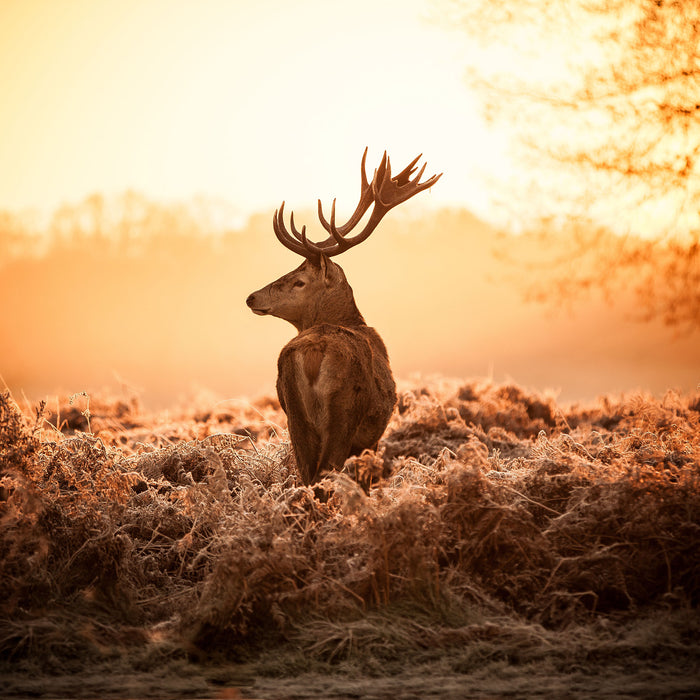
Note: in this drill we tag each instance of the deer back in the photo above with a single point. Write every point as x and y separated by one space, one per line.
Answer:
336 387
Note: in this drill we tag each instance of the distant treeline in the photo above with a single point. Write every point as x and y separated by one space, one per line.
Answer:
130 222
155 294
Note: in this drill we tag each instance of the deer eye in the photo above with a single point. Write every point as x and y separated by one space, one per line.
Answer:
299 283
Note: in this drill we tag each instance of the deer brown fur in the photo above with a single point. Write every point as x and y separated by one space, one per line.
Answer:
334 379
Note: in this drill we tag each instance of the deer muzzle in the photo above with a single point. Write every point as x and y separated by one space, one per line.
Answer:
256 307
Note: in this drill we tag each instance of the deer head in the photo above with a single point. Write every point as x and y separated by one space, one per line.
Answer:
317 291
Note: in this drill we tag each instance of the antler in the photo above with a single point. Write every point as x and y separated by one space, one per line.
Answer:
385 192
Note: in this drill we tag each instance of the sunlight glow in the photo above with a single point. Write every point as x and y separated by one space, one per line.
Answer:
251 102
137 126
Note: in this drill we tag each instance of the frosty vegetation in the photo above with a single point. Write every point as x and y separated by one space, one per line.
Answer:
493 530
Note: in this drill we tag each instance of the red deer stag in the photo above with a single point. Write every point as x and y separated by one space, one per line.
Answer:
334 380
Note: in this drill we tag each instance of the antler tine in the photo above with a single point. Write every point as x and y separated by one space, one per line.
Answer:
384 170
339 239
405 175
420 174
336 243
285 238
430 181
363 205
313 250
299 235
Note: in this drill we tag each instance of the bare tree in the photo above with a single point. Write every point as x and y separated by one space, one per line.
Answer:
603 99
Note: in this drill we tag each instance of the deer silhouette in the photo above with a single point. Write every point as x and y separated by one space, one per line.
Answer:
334 379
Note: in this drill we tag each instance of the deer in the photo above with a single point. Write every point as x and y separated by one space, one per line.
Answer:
334 380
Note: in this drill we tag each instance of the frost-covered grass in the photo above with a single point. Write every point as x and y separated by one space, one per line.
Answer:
494 529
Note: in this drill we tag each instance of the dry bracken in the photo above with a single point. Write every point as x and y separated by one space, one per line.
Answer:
500 523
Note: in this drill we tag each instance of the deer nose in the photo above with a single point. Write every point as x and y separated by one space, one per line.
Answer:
250 300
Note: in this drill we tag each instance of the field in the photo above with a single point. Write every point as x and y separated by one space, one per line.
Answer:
497 545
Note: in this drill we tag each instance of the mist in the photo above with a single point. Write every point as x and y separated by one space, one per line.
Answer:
160 311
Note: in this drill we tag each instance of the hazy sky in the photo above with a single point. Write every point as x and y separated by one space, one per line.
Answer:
250 101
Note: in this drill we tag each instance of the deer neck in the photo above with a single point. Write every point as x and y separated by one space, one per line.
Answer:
337 308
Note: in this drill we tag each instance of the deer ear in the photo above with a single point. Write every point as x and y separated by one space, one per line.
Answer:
326 269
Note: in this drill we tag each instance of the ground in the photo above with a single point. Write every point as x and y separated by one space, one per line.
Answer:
497 544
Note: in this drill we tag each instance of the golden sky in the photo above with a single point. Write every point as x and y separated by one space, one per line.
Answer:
250 101
254 102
